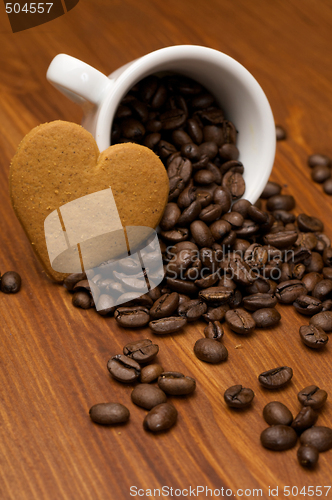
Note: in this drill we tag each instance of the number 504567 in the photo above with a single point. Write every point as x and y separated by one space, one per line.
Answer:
32 8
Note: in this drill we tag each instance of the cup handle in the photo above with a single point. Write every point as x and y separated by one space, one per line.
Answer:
77 80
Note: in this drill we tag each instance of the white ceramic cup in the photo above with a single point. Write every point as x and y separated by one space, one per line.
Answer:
236 90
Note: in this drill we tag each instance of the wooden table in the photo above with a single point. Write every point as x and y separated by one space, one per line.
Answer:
53 356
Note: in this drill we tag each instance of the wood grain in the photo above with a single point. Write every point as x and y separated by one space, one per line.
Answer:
53 356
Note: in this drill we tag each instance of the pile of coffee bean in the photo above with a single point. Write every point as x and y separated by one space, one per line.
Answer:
134 365
321 171
10 282
285 430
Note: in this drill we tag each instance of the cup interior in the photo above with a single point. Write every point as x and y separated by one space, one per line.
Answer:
235 89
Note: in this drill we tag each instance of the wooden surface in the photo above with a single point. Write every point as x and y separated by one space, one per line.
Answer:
53 356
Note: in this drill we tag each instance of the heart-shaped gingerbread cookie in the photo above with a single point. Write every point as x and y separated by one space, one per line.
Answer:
58 163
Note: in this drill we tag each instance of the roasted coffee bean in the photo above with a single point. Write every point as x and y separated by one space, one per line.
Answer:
308 306
323 289
190 213
214 330
164 326
306 418
240 321
280 202
204 197
279 438
192 310
327 186
180 167
160 418
276 413
320 173
149 373
308 456
241 207
105 305
71 280
210 350
222 197
170 217
173 118
309 224
176 384
124 369
180 137
327 273
257 215
271 189
109 413
327 305
216 295
327 257
201 234
214 134
312 396
10 282
181 286
267 317
235 184
280 133
318 436
234 218
281 240
313 336
175 235
148 396
318 159
310 280
258 301
132 317
288 291
219 229
82 299
165 306
208 281
232 165
238 396
323 320
284 216
228 152
216 313
248 229
276 378
142 351
210 213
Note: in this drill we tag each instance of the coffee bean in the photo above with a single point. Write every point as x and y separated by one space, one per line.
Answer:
148 396
124 369
182 286
284 216
238 396
176 384
312 396
171 215
71 280
109 413
165 306
149 373
235 184
327 305
132 317
164 326
281 240
310 280
318 436
216 313
309 224
280 133
142 351
240 321
276 413
318 159
10 282
105 305
258 301
83 300
271 189
280 202
313 336
320 173
192 310
306 418
161 418
216 295
323 320
327 186
210 351
279 438
214 330
201 234
288 291
222 197
276 378
267 317
323 289
308 456
308 306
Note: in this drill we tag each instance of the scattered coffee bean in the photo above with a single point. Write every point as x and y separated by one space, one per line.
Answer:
280 133
307 305
10 282
240 321
148 396
258 301
164 326
266 317
210 351
124 369
238 396
109 413
279 438
312 396
142 351
276 413
319 159
82 299
306 418
150 373
214 330
307 456
132 317
276 378
323 320
318 436
161 418
176 384
313 336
